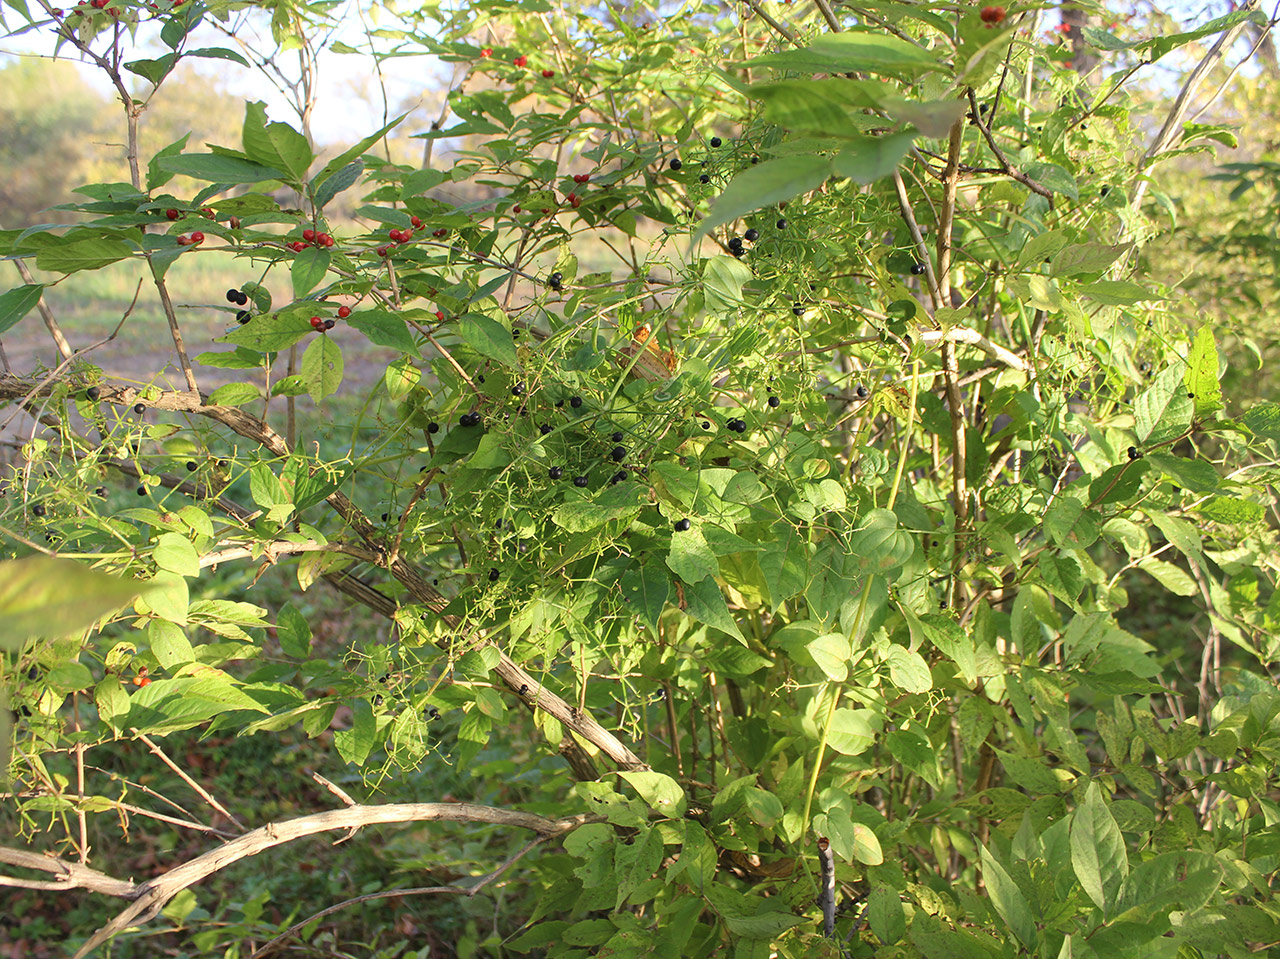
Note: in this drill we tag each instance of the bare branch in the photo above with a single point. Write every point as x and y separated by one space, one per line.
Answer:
152 896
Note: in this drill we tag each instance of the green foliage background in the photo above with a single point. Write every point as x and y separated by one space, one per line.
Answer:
783 437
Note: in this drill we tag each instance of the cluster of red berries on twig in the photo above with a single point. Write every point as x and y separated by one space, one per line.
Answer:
992 15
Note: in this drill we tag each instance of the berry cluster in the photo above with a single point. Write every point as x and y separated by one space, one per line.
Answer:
992 15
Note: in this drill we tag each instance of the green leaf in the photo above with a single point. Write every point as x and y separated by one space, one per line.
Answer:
1202 373
235 394
954 643
17 303
340 181
723 279
832 653
384 329
908 670
355 744
852 731
276 145
1263 420
45 596
220 169
168 597
345 158
878 545
867 159
158 176
646 590
706 605
153 71
1160 45
690 558
169 644
170 705
273 332
176 554
293 632
888 918
763 185
1054 177
618 503
1008 899
812 106
660 792
322 367
309 268
217 53
1097 850
490 338
1162 410
1173 578
850 52
89 254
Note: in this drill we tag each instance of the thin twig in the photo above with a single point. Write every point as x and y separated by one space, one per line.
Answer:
182 774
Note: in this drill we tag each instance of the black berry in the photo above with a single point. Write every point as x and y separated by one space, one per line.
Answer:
243 316
493 575
575 402
617 436
706 425
917 268
330 324
703 178
581 481
782 223
618 477
555 280
798 310
544 429
233 296
619 453
715 141
433 427
752 234
191 466
1135 453
139 408
735 243
773 402
469 419
675 163
100 491
93 392
555 472
142 491
682 525
861 392
517 390
38 510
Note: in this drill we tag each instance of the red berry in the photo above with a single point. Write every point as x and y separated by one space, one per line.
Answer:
992 15
297 246
417 223
518 61
328 240
209 213
197 237
440 232
487 52
516 208
571 197
57 12
142 681
173 214
344 311
548 74
575 202
184 240
440 315
316 322
394 234
545 211
308 235
406 236
382 251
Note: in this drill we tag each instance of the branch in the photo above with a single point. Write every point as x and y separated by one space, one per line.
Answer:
152 896
71 875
